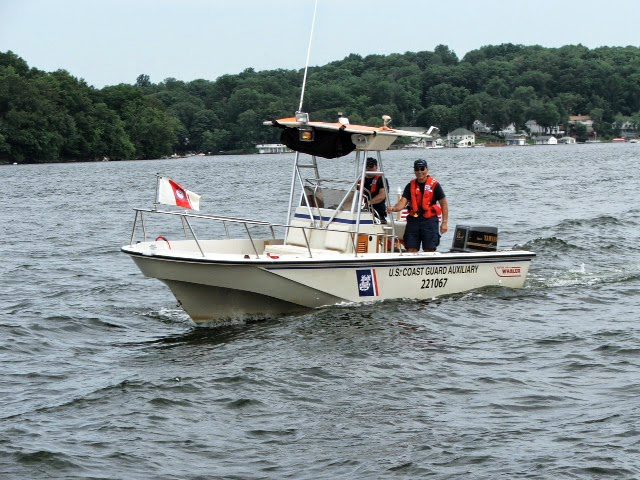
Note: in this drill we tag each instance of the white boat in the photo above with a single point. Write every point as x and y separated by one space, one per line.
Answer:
331 249
273 148
413 146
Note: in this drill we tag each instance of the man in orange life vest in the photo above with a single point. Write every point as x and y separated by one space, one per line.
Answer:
377 188
426 201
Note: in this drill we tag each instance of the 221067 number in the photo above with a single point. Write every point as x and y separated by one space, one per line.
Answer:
434 282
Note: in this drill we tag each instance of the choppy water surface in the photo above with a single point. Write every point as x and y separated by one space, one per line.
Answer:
102 376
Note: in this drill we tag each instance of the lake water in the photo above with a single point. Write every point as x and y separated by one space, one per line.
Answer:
103 376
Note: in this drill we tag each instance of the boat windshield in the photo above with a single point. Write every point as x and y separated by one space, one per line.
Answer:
333 198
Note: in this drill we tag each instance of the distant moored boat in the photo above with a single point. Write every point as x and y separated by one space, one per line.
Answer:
273 148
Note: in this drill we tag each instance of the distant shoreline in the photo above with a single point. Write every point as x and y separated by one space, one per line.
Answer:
183 157
54 117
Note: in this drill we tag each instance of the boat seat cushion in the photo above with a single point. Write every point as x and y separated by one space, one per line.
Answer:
336 240
297 237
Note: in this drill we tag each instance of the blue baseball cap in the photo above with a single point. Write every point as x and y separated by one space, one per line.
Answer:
420 163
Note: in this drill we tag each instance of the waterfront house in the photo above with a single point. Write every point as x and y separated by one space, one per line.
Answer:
480 127
510 130
536 129
461 137
545 140
628 131
515 139
567 141
586 120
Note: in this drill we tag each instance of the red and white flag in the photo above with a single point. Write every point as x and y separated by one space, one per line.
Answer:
170 193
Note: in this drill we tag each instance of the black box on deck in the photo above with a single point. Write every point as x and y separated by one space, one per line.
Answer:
475 238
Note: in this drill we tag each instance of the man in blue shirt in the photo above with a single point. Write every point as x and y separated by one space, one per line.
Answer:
426 201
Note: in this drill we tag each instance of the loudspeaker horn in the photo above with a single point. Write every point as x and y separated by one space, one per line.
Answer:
359 140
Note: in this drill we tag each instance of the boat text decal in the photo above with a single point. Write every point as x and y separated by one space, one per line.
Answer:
508 271
367 283
433 270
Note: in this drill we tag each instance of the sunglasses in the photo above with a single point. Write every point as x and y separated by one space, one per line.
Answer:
419 169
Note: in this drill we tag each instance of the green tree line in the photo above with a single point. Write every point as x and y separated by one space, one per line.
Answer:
47 117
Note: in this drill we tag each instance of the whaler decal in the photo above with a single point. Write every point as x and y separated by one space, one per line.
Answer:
508 271
367 283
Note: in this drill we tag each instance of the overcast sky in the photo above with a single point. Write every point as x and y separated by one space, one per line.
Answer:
107 42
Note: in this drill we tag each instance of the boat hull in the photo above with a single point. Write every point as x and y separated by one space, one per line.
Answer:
219 287
209 304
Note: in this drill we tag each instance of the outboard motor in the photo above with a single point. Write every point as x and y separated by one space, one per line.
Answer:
475 238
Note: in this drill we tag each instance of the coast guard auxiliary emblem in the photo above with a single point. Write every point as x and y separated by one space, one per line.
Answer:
367 283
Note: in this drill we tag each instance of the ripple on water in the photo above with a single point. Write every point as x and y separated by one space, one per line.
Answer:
46 460
549 246
103 376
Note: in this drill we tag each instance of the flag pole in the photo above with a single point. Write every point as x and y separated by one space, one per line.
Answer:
155 203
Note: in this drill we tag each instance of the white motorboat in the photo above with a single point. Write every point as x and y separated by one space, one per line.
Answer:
332 248
267 148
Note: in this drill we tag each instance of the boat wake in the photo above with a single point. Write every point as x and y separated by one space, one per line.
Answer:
581 276
169 315
549 246
599 222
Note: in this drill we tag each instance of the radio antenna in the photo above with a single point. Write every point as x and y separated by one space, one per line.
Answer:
306 67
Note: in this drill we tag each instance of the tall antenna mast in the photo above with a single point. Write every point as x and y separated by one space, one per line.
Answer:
306 67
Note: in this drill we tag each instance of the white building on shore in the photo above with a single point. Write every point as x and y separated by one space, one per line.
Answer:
273 148
519 139
536 129
586 120
461 137
420 142
545 140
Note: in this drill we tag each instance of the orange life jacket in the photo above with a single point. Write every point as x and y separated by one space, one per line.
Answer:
374 185
427 197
